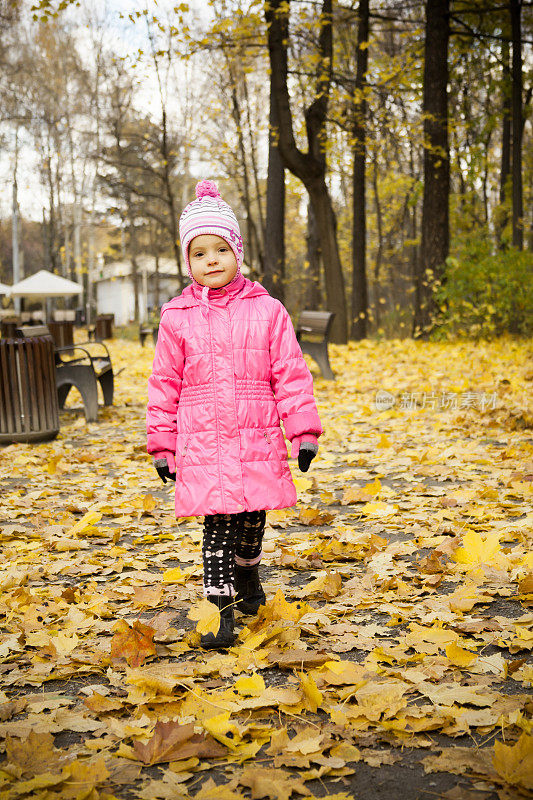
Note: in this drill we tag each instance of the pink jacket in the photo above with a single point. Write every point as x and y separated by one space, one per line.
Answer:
227 368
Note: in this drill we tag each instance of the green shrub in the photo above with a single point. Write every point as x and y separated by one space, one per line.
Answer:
486 294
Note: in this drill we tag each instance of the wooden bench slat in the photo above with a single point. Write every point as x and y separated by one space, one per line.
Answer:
28 390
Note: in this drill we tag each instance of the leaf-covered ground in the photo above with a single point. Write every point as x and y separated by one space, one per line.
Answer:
393 656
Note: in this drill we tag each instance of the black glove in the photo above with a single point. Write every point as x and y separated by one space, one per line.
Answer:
306 454
163 471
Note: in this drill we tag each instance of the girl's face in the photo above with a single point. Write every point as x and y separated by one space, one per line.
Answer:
212 261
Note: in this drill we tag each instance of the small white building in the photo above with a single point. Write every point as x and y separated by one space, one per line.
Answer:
114 287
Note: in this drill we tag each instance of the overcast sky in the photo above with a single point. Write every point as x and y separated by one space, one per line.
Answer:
125 38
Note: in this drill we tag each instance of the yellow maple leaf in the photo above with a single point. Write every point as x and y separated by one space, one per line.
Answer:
360 494
279 608
51 466
250 686
301 483
525 585
436 634
311 692
314 516
277 784
379 509
478 549
175 575
220 726
515 762
65 644
328 584
207 616
133 643
88 519
459 656
210 791
85 776
149 503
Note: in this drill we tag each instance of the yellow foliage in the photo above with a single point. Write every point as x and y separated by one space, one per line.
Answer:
515 763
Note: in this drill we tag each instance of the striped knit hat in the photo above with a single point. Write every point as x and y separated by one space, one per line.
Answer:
209 214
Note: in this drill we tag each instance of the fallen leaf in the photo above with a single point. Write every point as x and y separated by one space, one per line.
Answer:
171 741
515 762
134 643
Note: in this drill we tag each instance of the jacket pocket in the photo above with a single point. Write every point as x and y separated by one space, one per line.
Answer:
180 457
273 449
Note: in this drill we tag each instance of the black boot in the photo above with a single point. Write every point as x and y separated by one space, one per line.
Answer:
225 636
249 592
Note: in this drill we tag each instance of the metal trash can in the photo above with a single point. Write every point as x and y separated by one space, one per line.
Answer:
28 390
103 327
62 332
8 327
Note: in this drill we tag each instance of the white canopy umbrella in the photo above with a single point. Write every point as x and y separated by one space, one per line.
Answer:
4 288
45 284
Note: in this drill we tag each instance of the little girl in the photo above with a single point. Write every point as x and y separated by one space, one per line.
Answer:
227 368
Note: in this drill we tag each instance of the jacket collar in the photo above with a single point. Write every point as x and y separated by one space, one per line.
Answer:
240 287
204 294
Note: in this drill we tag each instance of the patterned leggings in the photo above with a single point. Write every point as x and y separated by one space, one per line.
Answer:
230 539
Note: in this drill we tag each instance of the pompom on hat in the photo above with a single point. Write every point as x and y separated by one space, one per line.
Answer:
209 213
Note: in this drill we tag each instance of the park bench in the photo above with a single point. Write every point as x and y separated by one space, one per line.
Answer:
84 372
148 330
318 325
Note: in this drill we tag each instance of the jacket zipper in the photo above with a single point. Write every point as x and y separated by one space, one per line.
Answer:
277 459
269 440
182 456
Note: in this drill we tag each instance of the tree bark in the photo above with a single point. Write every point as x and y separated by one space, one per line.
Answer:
518 211
133 248
359 279
379 252
237 118
171 200
312 293
274 273
505 168
255 174
310 167
435 212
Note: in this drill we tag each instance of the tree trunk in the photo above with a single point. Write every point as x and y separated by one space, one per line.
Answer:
78 277
502 212
274 274
237 118
171 200
518 212
327 236
156 305
435 212
310 167
379 252
133 252
506 122
312 292
359 284
255 174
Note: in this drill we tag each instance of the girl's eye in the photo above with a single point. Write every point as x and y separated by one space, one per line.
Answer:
223 249
198 255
